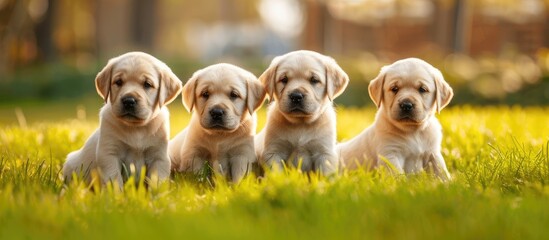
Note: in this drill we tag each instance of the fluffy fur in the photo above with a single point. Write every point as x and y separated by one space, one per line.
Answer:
134 122
406 132
223 99
301 121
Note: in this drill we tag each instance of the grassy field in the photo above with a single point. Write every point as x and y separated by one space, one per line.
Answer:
498 157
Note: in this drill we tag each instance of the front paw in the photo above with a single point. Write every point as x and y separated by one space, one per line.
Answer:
239 169
116 181
274 163
193 164
159 170
328 166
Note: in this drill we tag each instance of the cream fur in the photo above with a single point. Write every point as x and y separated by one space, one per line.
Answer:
307 132
125 142
227 147
410 144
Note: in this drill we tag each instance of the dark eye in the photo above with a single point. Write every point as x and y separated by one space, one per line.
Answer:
147 85
234 95
118 82
205 94
423 90
394 89
284 80
314 80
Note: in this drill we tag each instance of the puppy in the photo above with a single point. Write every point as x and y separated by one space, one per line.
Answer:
223 99
405 133
301 122
134 122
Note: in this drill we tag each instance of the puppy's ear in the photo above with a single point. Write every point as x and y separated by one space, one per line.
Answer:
443 91
336 78
170 86
103 79
188 93
268 78
375 88
256 94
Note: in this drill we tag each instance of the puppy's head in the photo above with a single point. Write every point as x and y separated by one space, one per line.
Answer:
303 83
137 85
409 91
223 95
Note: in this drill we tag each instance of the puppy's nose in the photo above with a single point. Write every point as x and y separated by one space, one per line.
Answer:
129 102
217 113
406 106
296 97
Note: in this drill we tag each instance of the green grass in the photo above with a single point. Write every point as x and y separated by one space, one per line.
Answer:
498 156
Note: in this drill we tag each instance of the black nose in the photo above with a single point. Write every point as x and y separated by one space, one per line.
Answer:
406 106
217 113
296 97
129 102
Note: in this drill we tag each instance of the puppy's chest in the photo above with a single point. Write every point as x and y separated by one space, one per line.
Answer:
221 149
139 146
417 147
140 140
304 142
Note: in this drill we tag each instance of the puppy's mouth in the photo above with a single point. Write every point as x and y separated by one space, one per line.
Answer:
130 117
297 112
218 126
407 118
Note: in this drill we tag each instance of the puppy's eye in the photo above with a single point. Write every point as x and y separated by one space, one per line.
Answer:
284 80
118 82
423 90
394 89
314 80
147 85
234 95
205 94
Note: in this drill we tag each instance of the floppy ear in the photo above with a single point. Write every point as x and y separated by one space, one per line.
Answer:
103 80
267 78
256 94
375 88
189 92
443 91
170 86
336 78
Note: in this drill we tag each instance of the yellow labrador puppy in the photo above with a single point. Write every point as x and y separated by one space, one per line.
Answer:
223 99
134 122
406 133
301 122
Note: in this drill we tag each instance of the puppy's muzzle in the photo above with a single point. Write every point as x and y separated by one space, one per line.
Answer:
296 98
217 114
406 106
129 104
407 109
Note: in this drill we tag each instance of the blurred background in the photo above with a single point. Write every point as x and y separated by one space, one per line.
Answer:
491 51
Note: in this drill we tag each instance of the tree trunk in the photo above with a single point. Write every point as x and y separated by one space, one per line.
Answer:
43 31
442 26
462 26
144 22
